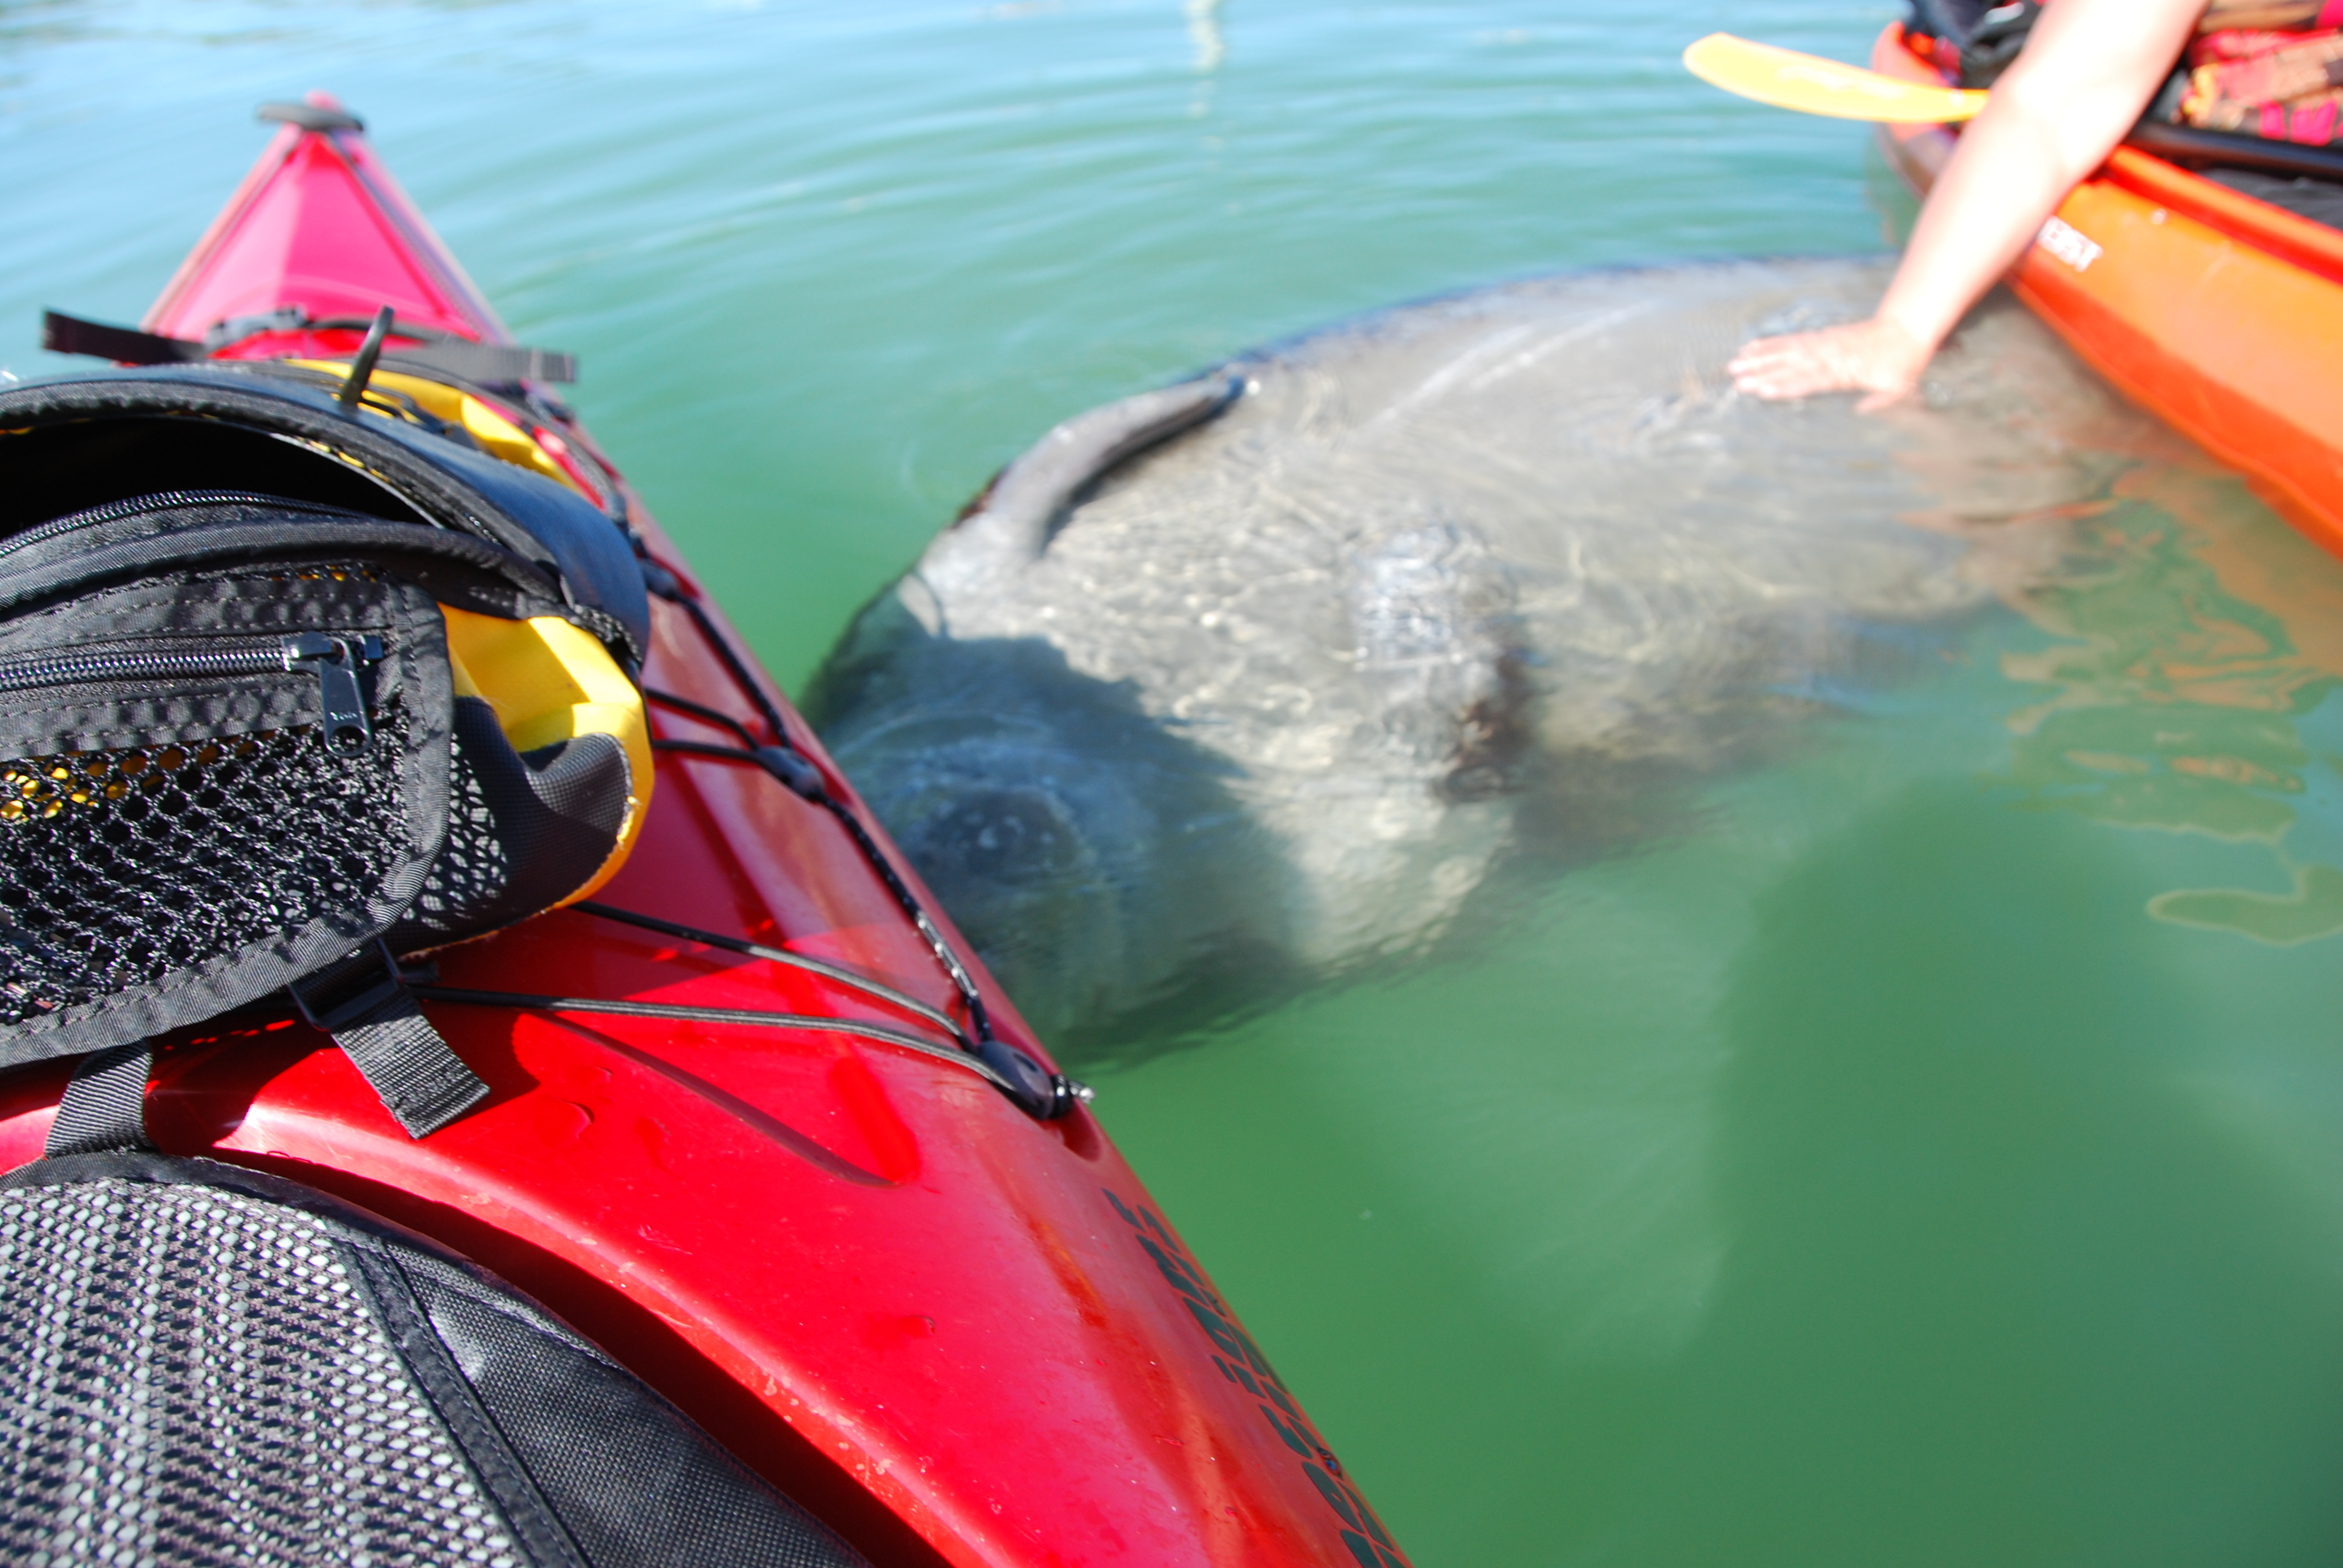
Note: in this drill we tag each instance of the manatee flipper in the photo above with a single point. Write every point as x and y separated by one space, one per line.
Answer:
1011 524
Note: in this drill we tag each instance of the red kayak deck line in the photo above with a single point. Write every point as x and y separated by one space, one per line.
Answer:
955 1333
2221 314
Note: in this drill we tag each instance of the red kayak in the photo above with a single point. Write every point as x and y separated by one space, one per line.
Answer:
953 1330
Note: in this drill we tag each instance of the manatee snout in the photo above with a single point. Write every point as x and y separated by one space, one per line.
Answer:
1086 848
1044 872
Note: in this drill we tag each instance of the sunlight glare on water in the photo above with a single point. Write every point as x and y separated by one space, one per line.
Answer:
1925 1148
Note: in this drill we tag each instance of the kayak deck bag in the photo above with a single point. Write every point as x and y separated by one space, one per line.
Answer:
290 692
214 1366
292 689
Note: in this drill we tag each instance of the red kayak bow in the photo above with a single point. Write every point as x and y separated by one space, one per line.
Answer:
954 1331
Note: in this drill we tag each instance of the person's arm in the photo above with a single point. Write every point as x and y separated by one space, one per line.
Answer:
2088 72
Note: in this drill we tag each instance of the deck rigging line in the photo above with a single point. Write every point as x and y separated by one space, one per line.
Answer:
1038 1090
844 977
754 1017
798 772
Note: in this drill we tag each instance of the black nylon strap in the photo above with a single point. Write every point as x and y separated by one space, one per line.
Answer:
463 357
104 1105
458 356
472 361
61 333
424 1084
364 1004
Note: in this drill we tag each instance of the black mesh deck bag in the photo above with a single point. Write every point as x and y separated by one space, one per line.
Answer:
232 759
211 1366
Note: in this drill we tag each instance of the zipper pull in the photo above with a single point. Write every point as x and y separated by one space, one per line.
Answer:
336 661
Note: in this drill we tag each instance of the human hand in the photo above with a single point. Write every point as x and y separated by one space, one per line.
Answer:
1878 356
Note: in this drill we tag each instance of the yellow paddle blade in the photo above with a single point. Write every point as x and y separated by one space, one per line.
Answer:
1812 86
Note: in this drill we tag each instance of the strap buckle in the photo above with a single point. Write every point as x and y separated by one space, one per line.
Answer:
351 988
364 1002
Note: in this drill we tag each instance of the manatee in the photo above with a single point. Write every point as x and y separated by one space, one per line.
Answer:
1260 679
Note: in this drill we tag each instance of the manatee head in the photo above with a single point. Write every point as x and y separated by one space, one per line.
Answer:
1098 858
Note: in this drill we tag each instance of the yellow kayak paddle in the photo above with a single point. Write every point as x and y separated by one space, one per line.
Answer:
1812 86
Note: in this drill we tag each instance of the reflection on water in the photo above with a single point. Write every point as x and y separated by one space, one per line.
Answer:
2177 696
1204 29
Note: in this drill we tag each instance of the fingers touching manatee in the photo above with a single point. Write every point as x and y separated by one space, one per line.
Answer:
1199 706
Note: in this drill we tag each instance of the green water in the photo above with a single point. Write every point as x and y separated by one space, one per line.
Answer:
1930 1152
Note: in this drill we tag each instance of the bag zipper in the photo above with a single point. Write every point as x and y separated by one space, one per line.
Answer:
114 511
336 659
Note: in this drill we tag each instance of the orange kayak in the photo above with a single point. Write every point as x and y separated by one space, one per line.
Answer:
2221 314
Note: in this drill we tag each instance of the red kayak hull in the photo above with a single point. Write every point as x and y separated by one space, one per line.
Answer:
2220 314
957 1333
